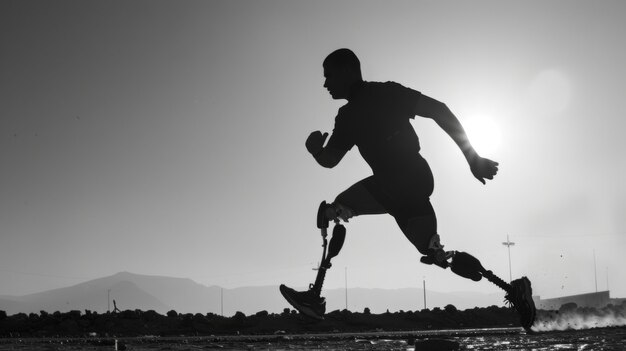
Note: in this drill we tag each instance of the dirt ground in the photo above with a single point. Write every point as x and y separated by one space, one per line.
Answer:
474 339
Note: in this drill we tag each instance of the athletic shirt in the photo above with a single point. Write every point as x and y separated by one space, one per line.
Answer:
376 120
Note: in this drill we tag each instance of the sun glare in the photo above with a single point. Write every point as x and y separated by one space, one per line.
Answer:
484 134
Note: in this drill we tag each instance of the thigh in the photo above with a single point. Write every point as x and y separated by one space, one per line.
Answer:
363 198
419 229
417 220
414 182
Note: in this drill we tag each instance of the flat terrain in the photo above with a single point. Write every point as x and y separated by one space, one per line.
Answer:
468 339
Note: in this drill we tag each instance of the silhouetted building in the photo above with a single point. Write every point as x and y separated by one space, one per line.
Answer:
596 299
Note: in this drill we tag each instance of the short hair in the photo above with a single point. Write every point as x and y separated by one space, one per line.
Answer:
343 58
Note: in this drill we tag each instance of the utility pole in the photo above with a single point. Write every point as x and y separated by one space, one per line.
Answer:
109 300
424 288
346 282
222 301
508 245
595 269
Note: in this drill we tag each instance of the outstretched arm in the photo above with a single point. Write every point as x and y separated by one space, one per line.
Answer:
481 168
327 156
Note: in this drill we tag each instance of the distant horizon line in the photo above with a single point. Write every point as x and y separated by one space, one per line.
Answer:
86 280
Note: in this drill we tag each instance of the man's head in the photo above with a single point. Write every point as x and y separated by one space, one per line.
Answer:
341 70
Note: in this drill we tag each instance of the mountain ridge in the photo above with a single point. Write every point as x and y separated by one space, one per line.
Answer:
162 293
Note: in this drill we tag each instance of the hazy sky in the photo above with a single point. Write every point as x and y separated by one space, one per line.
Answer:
167 138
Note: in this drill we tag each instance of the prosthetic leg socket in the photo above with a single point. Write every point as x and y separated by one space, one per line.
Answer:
335 245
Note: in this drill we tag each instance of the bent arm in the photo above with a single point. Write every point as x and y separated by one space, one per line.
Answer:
338 145
441 114
329 157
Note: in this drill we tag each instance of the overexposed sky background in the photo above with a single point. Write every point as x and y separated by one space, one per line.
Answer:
167 138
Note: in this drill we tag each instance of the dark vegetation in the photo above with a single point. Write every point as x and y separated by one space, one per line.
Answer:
141 323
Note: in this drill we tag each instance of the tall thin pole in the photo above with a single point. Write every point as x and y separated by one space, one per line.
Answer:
109 300
222 301
424 288
346 282
595 270
607 279
508 245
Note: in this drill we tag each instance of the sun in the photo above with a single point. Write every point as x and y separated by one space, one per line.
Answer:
484 134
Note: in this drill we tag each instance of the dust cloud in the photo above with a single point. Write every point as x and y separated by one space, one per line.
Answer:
572 317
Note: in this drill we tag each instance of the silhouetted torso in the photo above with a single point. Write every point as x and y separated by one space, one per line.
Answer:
377 120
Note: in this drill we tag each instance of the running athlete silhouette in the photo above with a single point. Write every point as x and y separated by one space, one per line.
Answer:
376 119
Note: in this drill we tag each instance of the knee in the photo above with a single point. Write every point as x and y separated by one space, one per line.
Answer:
422 233
424 245
337 210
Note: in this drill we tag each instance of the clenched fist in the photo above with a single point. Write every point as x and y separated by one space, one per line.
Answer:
315 142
